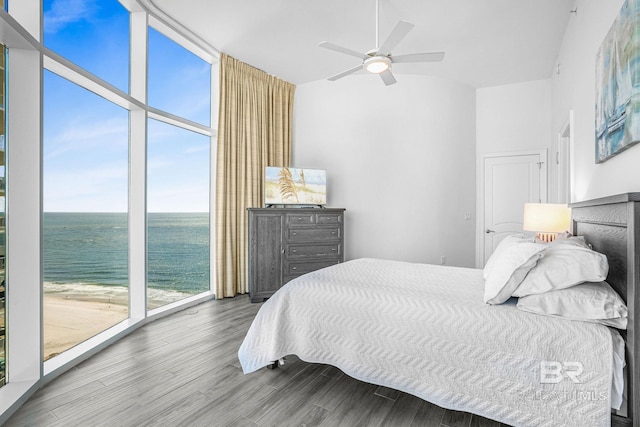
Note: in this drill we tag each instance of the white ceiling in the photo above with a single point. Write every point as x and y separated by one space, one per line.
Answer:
487 42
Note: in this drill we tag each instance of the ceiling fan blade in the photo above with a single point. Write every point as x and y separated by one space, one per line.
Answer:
397 34
341 49
387 77
419 57
345 73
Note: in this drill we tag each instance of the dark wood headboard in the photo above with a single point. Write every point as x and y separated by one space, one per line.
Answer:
612 226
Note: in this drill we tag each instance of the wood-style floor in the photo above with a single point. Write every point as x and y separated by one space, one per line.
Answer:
183 370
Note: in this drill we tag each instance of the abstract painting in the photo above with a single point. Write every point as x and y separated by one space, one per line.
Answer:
617 122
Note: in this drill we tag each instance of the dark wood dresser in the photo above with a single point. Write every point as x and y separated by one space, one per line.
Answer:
285 243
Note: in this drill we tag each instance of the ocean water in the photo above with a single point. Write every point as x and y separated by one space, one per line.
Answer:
85 250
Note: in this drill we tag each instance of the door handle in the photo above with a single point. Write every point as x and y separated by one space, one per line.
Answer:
487 231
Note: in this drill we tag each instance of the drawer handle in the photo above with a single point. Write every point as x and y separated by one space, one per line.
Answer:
299 218
294 268
333 250
294 251
294 233
333 233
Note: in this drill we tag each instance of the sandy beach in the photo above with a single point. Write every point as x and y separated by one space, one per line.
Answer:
74 313
69 321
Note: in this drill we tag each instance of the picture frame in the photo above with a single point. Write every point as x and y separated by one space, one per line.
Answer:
617 120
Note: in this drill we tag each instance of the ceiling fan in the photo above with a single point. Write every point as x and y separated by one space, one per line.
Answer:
379 60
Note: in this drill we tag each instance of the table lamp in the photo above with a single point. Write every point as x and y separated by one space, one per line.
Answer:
546 219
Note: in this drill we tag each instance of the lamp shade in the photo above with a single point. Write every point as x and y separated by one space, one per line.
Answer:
546 217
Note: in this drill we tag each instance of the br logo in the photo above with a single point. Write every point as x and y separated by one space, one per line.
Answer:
552 372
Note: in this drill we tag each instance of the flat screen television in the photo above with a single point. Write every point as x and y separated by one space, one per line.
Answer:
295 186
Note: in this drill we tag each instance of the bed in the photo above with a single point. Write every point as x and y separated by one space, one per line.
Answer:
426 330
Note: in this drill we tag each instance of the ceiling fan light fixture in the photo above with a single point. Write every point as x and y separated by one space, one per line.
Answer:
377 64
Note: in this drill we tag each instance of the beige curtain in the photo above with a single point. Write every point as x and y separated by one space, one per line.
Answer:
254 131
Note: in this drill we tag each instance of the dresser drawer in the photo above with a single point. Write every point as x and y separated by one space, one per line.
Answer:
318 250
301 234
302 267
329 218
302 219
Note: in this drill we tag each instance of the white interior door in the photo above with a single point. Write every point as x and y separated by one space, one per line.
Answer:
509 181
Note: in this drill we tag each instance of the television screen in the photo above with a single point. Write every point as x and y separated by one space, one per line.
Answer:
294 186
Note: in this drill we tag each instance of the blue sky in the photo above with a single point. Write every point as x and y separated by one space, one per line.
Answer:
86 137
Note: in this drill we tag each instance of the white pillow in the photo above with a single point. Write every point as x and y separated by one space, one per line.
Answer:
504 245
588 302
509 266
564 264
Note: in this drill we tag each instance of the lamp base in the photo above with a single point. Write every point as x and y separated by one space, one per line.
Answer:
546 237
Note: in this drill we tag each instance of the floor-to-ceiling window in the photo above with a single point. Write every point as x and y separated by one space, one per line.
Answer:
102 93
86 161
85 176
178 172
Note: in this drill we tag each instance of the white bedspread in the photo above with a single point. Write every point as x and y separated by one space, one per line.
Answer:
425 330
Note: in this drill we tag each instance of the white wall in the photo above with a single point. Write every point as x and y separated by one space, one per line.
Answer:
514 117
574 88
400 159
